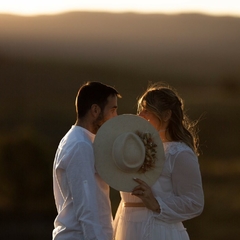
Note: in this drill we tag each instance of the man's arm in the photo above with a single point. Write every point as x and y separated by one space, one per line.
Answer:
83 187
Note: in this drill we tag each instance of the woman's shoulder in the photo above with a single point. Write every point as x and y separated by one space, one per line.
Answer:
173 148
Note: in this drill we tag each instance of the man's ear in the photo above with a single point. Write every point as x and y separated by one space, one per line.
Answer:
95 110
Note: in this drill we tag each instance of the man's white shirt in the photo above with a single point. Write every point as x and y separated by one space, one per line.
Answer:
81 196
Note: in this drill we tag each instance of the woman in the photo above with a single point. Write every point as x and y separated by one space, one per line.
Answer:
158 212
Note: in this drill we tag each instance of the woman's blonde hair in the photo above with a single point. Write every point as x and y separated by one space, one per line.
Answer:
159 98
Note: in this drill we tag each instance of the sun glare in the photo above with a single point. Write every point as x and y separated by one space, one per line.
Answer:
27 7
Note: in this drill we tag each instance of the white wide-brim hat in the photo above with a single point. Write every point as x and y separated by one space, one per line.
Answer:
127 147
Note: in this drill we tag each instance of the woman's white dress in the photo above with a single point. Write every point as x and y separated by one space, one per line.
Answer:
180 196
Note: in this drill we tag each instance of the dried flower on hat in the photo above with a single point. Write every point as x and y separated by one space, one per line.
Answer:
150 152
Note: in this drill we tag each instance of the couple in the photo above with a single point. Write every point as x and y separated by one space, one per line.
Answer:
160 183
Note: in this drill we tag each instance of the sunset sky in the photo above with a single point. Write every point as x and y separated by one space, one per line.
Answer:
32 7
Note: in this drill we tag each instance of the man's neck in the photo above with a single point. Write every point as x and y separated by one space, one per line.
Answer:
85 124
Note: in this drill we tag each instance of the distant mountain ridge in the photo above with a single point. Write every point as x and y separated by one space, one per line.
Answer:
153 40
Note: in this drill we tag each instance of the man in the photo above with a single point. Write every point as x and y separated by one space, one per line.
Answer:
81 196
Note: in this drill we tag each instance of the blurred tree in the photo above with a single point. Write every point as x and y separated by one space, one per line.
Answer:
231 85
25 174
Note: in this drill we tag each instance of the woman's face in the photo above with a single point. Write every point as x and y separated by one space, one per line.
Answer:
151 117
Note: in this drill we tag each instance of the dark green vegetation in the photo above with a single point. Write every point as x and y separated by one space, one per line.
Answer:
43 61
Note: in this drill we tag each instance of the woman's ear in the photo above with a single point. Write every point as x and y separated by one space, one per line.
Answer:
167 115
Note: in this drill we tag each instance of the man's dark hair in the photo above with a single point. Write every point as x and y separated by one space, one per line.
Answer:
93 93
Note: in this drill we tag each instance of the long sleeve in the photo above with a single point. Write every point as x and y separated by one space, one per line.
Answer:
186 200
83 186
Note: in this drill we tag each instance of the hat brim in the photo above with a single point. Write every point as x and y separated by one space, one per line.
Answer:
103 143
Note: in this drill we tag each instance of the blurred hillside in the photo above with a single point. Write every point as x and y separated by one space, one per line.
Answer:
44 60
201 48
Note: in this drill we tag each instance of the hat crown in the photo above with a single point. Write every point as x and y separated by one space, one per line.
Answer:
128 152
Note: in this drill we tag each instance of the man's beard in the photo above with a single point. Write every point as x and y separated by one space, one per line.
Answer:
98 122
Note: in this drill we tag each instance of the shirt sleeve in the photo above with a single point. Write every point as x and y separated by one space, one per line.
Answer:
83 187
187 199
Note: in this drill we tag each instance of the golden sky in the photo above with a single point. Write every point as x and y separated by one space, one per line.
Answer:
33 7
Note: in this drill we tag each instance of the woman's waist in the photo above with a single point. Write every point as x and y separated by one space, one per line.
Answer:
127 197
137 212
145 216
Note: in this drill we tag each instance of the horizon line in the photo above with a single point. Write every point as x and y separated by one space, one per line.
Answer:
207 13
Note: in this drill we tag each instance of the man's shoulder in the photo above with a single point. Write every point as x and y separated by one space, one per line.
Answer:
76 137
72 144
